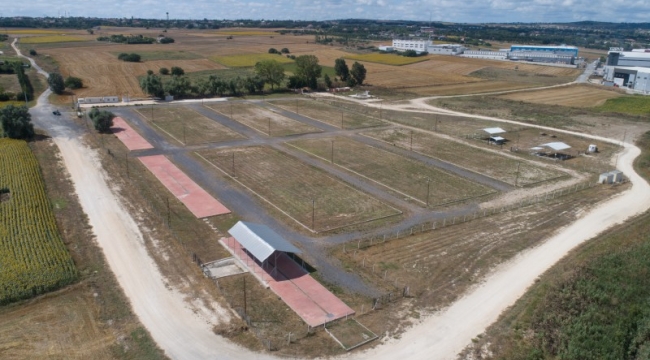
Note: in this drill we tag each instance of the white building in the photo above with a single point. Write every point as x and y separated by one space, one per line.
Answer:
418 45
485 54
632 77
628 58
446 49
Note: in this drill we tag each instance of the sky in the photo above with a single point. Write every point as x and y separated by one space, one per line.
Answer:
464 11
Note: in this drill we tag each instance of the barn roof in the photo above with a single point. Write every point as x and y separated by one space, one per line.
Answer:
260 240
494 130
557 146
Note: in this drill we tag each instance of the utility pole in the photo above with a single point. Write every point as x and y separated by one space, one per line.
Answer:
269 127
411 140
184 140
341 120
127 165
428 185
332 156
313 208
245 307
152 119
169 214
231 111
234 174
517 175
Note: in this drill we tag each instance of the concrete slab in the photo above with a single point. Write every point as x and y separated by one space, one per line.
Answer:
131 139
197 200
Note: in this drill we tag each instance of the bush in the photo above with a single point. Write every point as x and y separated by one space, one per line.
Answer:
273 51
133 57
284 50
163 71
72 82
102 119
32 52
177 71
55 81
166 40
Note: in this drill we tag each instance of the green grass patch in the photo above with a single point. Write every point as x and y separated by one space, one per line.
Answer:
248 60
633 105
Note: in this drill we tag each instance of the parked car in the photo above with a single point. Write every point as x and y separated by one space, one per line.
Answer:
56 112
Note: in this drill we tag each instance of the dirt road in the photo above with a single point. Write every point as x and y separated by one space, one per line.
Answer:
186 335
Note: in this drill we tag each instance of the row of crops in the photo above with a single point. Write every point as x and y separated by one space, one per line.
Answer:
33 258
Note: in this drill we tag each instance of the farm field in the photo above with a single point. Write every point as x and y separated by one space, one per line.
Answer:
440 265
290 186
249 60
33 257
576 96
387 59
165 55
475 87
329 114
186 126
403 176
263 120
103 74
507 169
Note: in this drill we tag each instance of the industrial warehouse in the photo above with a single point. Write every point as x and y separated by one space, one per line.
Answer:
561 54
629 69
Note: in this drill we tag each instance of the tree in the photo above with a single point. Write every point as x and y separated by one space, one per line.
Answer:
16 122
163 71
358 73
72 82
32 52
152 85
295 82
177 71
55 80
273 51
178 86
285 50
270 71
308 70
328 81
341 69
102 119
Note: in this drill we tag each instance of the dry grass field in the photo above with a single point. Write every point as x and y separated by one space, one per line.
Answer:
290 186
333 115
386 59
442 264
575 96
402 176
186 126
506 169
263 120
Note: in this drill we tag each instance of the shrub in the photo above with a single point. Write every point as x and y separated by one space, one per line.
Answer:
163 71
32 52
133 57
72 82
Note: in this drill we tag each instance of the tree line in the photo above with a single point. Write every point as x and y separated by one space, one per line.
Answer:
308 73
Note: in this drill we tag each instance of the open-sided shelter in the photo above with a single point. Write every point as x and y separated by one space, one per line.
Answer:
261 242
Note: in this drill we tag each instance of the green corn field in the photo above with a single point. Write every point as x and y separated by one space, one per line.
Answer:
33 258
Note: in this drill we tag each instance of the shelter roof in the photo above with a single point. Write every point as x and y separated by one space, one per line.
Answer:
497 138
557 146
494 130
260 240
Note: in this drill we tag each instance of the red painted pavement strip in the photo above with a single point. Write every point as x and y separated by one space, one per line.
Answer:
131 139
305 296
312 288
197 200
